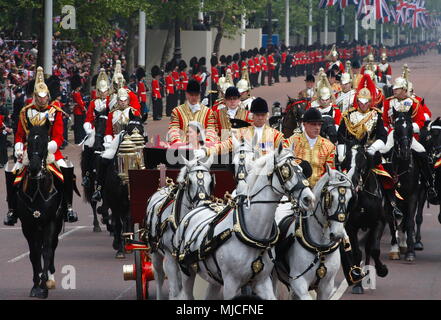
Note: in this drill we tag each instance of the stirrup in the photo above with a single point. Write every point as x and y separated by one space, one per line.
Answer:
356 274
86 181
71 216
432 196
10 219
97 195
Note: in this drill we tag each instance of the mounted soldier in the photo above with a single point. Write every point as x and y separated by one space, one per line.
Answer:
332 59
40 112
99 107
363 125
400 102
345 98
117 121
244 87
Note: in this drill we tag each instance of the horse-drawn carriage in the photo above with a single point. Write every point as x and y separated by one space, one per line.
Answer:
143 183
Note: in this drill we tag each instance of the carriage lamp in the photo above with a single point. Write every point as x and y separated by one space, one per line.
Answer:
138 140
127 159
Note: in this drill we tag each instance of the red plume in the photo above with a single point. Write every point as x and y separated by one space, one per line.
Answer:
366 82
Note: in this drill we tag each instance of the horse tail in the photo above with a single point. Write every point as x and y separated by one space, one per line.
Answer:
87 158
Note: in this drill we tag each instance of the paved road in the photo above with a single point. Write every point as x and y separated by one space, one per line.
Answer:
99 274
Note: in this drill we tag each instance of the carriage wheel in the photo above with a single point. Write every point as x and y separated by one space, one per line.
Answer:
142 285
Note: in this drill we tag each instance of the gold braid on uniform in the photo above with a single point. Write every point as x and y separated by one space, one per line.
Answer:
359 129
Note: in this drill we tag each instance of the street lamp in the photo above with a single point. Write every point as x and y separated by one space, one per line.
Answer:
177 54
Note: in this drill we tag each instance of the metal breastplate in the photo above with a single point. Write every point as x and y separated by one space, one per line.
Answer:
120 120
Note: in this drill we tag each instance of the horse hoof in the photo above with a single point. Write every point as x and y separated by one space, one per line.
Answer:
382 271
120 255
410 257
50 284
394 256
357 290
33 292
419 246
403 250
96 229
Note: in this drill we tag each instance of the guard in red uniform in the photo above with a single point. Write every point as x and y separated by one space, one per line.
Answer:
40 112
183 81
170 90
156 93
79 109
142 90
263 66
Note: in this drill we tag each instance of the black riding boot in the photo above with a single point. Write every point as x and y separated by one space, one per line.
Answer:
11 198
390 194
68 186
88 153
352 272
426 171
101 178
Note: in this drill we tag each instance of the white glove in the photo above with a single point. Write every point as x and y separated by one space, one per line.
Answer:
52 146
199 153
87 127
205 102
106 145
376 146
341 152
108 139
18 148
416 128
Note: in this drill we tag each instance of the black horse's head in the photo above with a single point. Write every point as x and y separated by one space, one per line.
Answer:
329 131
100 129
403 133
434 137
135 122
37 148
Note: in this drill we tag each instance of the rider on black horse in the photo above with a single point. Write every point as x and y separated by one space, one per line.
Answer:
402 102
363 125
37 113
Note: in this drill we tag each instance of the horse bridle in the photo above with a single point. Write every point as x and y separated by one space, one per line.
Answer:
242 171
341 212
201 194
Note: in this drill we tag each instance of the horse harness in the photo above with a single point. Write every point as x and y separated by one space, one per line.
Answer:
211 243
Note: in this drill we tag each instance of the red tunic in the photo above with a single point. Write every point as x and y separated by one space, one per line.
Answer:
109 123
184 80
236 71
214 75
156 91
55 132
80 105
271 62
169 86
142 92
417 113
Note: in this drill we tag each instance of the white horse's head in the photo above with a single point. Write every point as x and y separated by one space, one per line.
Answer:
243 155
336 191
197 180
291 178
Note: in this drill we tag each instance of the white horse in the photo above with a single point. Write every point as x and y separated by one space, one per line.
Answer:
234 248
165 210
308 256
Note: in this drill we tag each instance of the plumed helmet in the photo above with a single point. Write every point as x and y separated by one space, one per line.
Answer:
102 83
325 93
123 94
259 105
400 83
312 115
345 78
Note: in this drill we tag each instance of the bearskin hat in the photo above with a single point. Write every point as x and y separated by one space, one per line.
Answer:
223 59
53 84
229 59
255 51
262 51
140 73
243 55
155 71
236 57
202 61
250 53
214 61
182 65
75 81
168 67
193 61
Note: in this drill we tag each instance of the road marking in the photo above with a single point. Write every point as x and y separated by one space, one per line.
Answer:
124 292
59 238
340 291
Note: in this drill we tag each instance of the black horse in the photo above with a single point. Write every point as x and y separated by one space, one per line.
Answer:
40 208
366 209
116 193
406 169
292 117
89 166
328 130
